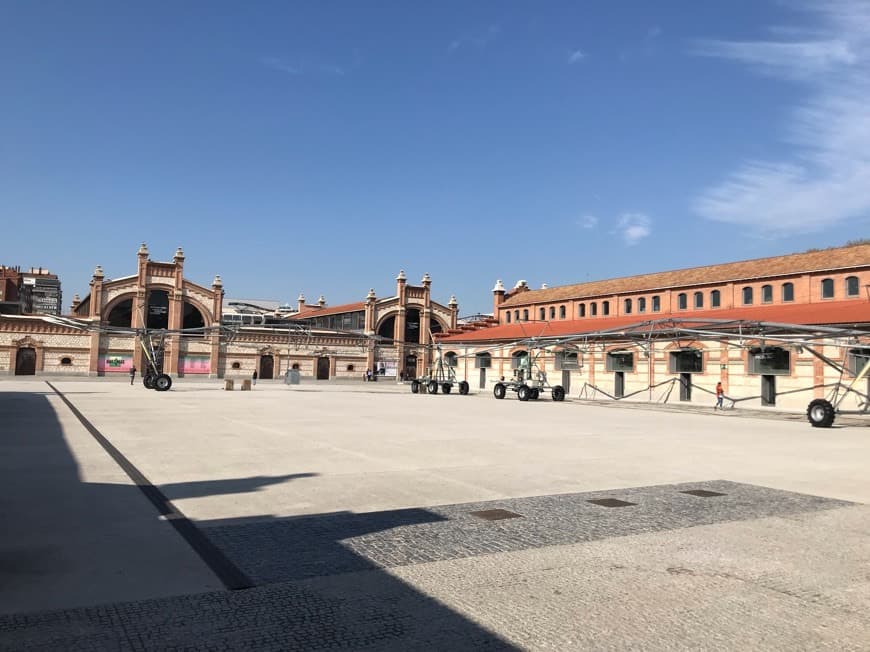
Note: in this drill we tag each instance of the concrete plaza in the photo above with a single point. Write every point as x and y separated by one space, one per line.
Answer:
327 515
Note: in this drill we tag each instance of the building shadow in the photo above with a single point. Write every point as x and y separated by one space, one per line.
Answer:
307 588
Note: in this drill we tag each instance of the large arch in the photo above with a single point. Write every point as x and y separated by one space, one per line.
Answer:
121 312
192 316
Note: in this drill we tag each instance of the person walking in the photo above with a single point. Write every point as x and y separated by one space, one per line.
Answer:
254 376
720 394
132 374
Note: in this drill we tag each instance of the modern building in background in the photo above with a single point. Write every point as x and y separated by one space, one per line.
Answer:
36 291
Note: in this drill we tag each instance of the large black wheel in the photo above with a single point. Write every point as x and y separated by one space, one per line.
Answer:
463 387
433 387
524 392
558 393
148 381
499 390
820 413
534 394
162 383
415 387
446 387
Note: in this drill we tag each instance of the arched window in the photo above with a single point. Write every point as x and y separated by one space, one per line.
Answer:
507 316
525 314
542 314
852 286
747 296
122 314
451 359
699 299
516 315
192 318
715 299
641 304
520 360
350 367
766 294
65 362
626 306
295 366
552 312
581 310
682 301
827 288
605 307
593 309
656 303
482 361
561 312
237 365
787 292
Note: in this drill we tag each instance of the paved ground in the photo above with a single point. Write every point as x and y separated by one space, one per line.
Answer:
343 516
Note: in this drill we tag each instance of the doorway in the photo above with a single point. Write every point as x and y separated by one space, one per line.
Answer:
768 390
267 367
566 381
685 387
322 369
619 384
25 362
410 366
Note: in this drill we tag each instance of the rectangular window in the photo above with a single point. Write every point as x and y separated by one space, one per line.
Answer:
641 305
766 294
620 361
686 361
482 361
714 299
566 360
770 361
857 359
656 304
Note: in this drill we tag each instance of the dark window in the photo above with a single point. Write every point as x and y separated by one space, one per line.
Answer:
686 361
827 288
566 360
350 367
542 314
620 361
699 299
682 301
641 305
747 296
158 310
122 314
769 360
858 358
715 299
482 361
295 366
656 303
552 312
787 292
237 365
520 360
766 294
605 307
193 319
581 310
593 309
451 359
516 315
852 286
508 317
66 362
561 312
626 306
525 314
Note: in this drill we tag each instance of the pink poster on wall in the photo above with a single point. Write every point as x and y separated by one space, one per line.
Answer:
112 362
194 364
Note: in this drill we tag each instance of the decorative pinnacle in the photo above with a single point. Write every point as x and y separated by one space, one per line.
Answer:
217 282
401 276
499 286
371 295
321 301
426 278
301 297
179 253
98 271
143 249
453 302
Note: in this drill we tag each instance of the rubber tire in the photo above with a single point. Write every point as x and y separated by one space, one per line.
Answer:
433 387
148 381
820 413
445 388
535 394
524 392
463 387
499 391
415 387
162 383
558 393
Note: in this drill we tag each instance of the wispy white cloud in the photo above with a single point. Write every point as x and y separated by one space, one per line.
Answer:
825 180
479 40
576 56
587 222
633 227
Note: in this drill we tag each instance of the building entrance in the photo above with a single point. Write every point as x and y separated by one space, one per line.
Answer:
322 369
267 367
25 362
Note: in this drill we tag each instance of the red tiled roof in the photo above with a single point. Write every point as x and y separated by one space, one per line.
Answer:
823 259
840 313
330 310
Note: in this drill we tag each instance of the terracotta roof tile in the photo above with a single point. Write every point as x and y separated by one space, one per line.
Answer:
823 259
845 313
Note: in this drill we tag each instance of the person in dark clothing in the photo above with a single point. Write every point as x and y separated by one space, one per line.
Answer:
132 374
255 376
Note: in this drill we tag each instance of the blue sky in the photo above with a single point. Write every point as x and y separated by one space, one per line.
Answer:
320 147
